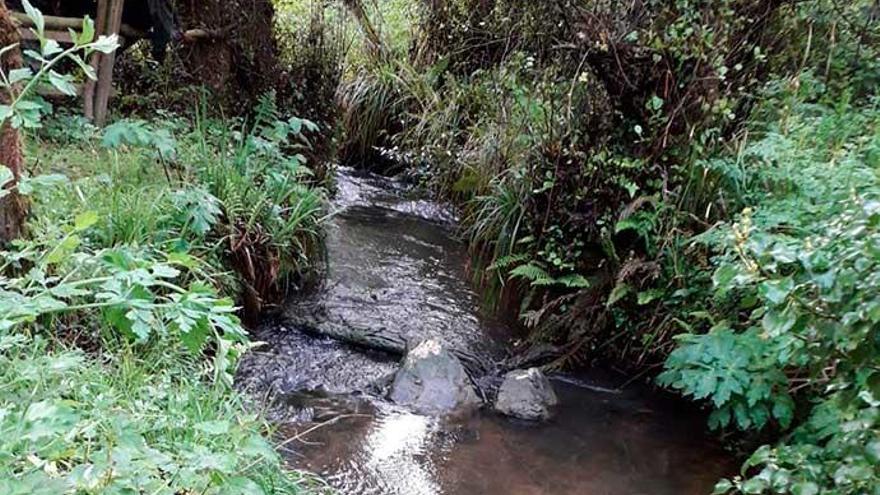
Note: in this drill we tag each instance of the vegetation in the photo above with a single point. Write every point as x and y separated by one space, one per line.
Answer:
127 264
688 189
791 339
687 186
119 333
131 420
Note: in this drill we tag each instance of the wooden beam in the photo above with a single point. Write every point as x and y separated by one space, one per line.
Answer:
59 36
75 23
55 23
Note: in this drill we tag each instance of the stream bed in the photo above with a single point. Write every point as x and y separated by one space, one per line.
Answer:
395 267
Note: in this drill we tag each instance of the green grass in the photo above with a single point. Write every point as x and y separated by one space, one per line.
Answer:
128 421
229 194
117 347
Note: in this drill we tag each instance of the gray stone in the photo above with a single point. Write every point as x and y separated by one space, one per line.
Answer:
526 394
432 380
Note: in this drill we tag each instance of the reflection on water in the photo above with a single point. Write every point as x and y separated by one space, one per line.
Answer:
395 268
393 448
599 443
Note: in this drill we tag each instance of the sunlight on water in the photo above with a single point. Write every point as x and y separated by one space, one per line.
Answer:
394 448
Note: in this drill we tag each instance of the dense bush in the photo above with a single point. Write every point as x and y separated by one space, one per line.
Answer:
790 339
125 423
122 263
245 193
128 264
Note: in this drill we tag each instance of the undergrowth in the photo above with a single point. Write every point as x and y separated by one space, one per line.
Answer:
688 186
118 348
133 420
119 332
788 338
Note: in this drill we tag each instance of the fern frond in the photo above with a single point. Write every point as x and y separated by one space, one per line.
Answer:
530 272
574 281
506 261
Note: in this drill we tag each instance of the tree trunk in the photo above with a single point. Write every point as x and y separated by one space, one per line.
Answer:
12 206
374 42
237 56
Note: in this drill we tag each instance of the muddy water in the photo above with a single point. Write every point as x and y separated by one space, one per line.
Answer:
395 268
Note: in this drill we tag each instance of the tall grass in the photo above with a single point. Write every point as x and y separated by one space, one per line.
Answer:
109 305
373 103
237 196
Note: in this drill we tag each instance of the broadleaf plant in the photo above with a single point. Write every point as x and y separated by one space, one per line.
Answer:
26 108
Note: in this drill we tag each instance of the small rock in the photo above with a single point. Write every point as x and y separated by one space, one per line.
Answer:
432 380
526 394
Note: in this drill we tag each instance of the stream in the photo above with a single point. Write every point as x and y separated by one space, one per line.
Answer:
395 268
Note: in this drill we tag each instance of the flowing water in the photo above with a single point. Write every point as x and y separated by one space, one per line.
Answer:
395 269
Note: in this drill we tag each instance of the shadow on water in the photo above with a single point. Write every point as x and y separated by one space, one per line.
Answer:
395 267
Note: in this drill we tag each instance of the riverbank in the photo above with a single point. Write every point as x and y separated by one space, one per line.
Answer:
685 191
118 327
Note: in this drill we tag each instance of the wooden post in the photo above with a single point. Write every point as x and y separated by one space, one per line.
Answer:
105 66
94 62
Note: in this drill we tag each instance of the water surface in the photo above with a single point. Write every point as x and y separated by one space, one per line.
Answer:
395 268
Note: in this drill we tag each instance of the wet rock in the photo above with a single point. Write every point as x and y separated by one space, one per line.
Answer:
526 394
381 386
433 381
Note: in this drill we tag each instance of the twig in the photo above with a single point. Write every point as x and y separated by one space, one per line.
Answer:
300 435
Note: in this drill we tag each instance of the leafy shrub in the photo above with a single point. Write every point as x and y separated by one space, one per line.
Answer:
25 108
130 290
70 425
227 193
796 301
271 215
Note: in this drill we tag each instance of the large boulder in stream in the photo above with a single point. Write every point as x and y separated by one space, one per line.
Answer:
432 380
526 394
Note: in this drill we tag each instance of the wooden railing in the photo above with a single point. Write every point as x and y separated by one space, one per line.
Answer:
96 93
